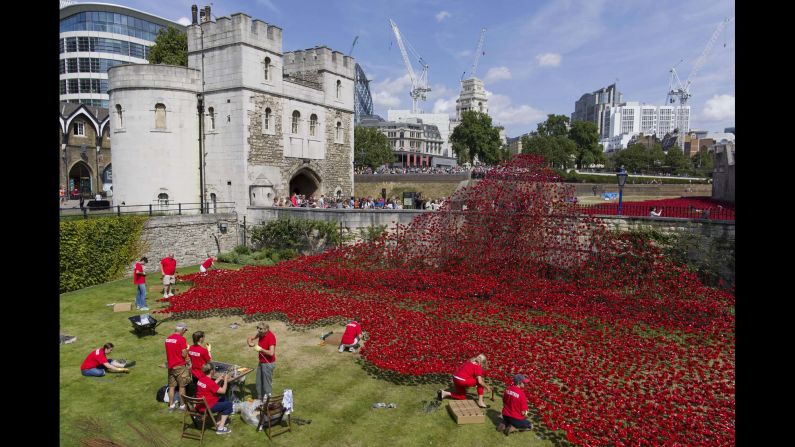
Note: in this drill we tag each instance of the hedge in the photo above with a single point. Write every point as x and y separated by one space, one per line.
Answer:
95 251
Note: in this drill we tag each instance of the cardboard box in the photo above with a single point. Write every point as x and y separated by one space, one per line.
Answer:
122 307
466 412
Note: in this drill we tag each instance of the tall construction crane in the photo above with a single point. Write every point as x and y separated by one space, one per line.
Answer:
356 39
679 92
478 52
419 86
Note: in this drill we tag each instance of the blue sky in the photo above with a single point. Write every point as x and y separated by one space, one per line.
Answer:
540 56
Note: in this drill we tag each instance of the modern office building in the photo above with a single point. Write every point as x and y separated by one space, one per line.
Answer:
413 142
594 107
97 36
633 118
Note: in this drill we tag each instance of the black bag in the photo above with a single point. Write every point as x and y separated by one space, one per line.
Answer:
161 393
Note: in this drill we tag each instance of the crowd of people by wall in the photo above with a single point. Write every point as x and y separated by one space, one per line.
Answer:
364 203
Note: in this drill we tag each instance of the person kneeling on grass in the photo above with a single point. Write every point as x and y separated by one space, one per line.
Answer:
351 337
514 409
468 375
209 390
97 362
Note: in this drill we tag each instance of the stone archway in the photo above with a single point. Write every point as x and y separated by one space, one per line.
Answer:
80 177
305 182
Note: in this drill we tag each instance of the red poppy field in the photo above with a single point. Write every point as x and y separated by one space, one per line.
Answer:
684 207
621 346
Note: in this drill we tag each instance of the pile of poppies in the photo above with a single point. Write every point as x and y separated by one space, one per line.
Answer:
621 346
684 207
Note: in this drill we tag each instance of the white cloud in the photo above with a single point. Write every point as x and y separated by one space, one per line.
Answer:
442 15
719 107
549 59
184 21
388 93
497 73
464 53
505 113
444 105
269 4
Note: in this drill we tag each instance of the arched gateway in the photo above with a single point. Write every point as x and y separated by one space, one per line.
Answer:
305 182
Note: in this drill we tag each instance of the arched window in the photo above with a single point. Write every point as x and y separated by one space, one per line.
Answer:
480 106
267 65
266 119
339 132
119 118
339 88
296 117
162 199
312 124
211 112
160 116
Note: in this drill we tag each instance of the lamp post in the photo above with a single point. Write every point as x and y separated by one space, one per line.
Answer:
96 161
622 180
64 143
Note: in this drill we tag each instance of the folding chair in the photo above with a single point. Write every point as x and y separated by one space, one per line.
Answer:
196 417
271 413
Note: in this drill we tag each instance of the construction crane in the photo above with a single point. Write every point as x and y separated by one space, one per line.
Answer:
355 39
679 92
478 52
419 85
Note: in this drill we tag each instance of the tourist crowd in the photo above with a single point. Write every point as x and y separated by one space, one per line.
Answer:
365 203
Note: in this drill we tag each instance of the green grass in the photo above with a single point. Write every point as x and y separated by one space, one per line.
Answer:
329 388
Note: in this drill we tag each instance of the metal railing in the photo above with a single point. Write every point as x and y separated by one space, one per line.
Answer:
151 209
685 212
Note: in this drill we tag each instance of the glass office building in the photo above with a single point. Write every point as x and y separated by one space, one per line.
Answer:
97 36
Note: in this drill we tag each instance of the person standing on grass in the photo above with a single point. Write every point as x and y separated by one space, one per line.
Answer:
98 362
139 279
199 355
176 361
514 408
209 389
351 337
266 347
207 264
468 375
168 267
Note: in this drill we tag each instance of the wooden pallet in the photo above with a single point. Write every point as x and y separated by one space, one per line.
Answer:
466 412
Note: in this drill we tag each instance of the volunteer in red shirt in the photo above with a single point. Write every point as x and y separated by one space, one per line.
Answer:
207 264
139 279
98 362
209 389
199 355
351 336
514 407
468 375
168 267
266 347
176 359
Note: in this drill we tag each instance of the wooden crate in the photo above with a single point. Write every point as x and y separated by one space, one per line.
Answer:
122 307
466 412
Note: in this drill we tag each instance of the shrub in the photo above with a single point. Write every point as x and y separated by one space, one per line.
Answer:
242 250
94 251
303 235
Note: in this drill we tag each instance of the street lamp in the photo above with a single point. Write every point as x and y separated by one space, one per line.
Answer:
622 180
96 161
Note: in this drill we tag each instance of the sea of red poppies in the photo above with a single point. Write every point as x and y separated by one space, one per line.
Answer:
621 346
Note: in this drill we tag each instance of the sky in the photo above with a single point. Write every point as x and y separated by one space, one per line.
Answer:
538 58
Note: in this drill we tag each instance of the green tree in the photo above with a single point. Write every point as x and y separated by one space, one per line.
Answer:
371 147
703 163
637 157
171 47
585 135
476 136
554 126
677 160
559 151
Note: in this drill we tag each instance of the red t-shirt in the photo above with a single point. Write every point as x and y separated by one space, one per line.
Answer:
198 357
169 266
208 389
352 330
265 342
175 343
514 402
468 371
207 262
138 274
94 359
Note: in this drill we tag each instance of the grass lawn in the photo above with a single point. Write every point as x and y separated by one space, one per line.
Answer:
330 388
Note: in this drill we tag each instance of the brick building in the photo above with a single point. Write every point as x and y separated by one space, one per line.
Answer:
85 159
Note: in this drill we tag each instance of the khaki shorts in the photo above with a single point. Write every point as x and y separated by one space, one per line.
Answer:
179 375
169 279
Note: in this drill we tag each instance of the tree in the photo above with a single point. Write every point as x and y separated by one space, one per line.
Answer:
677 161
638 158
703 163
559 151
171 47
585 135
371 147
554 126
475 136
